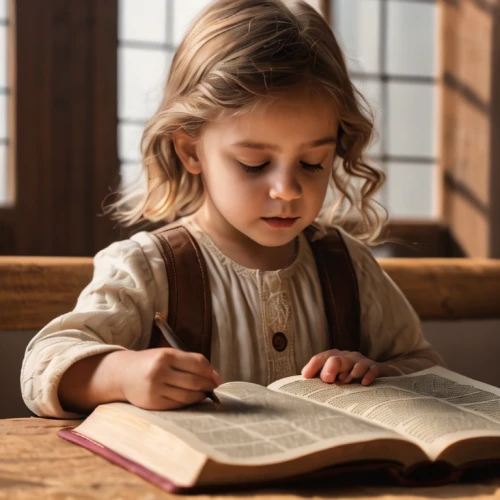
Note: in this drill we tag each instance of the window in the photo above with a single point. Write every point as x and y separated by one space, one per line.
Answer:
148 35
390 47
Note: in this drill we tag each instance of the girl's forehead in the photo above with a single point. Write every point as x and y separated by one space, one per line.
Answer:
282 122
303 107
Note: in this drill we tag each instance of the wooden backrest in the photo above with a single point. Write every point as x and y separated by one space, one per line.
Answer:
34 290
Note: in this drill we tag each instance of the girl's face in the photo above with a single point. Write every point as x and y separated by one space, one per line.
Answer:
266 172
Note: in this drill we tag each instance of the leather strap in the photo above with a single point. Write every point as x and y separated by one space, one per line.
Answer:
190 305
340 290
189 297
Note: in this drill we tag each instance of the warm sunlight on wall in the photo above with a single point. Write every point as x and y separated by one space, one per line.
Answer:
4 96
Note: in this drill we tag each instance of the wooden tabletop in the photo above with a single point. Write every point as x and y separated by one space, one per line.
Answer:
35 463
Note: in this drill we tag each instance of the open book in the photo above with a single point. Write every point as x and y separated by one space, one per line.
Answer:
434 418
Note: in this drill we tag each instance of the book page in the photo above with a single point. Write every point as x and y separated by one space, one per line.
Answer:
258 426
433 407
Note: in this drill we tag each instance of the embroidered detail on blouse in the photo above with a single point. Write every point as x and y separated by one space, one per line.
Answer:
275 301
277 318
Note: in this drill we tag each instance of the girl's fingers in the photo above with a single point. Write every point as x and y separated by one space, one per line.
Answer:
312 368
165 397
365 369
316 363
359 369
189 381
180 396
341 366
334 366
190 362
371 375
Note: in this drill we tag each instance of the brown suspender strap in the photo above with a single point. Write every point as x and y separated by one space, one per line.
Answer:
340 291
189 298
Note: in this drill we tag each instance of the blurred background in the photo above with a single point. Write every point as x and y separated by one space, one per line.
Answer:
78 80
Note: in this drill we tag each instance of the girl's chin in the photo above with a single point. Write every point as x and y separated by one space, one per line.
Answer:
272 238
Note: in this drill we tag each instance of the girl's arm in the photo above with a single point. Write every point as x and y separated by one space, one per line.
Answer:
154 379
98 352
390 328
113 313
93 381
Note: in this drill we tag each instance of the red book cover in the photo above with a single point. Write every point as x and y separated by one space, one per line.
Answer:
351 474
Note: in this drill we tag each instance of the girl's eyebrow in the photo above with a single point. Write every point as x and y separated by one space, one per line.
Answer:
261 145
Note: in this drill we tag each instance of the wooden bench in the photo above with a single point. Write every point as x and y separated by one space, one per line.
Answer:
34 290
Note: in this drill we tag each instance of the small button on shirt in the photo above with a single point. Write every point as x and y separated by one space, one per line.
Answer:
280 341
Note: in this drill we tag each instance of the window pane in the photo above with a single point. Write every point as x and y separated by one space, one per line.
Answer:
410 190
145 21
129 139
372 92
184 13
380 195
411 120
3 116
132 174
411 38
357 26
141 77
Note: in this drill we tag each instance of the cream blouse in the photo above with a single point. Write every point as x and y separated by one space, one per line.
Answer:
116 311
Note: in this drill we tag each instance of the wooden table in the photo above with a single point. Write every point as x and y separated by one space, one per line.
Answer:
36 464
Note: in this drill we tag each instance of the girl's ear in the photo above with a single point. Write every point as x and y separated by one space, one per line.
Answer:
185 146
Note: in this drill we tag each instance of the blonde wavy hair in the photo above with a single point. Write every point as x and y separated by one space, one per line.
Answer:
236 53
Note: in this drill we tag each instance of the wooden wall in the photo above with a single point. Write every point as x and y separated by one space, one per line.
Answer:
469 70
63 154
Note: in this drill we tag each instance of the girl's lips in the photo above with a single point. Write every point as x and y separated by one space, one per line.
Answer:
280 222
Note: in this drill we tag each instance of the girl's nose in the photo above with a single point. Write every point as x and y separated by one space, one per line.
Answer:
285 187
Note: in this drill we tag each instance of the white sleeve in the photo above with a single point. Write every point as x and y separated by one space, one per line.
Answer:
115 311
390 328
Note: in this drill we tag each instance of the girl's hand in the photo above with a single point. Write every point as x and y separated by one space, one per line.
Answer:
166 378
341 366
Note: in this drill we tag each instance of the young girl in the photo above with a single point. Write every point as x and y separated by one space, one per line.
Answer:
259 135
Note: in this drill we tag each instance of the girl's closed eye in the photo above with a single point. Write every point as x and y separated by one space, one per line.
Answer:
311 167
252 169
